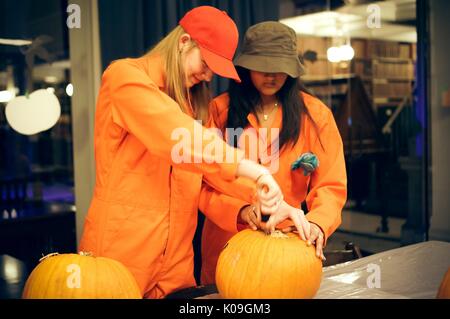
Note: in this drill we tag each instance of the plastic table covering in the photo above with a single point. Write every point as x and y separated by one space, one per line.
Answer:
413 271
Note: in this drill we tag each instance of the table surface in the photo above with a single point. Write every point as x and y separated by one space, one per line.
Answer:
413 271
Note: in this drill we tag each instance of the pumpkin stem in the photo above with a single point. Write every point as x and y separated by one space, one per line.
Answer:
278 234
85 253
48 256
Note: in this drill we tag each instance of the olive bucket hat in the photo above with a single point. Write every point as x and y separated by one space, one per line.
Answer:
270 47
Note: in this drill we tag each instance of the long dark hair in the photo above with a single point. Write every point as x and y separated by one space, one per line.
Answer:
244 98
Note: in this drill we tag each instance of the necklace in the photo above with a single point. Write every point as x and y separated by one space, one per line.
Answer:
266 116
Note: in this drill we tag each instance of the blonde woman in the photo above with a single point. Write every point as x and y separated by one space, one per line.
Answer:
144 209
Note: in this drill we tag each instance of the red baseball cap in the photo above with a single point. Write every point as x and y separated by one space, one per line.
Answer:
217 37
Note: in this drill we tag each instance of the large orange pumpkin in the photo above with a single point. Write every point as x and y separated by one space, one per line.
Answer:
254 265
444 289
80 276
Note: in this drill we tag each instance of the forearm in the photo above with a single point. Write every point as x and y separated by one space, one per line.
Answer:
222 210
250 169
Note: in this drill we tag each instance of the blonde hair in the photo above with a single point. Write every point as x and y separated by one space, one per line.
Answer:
196 98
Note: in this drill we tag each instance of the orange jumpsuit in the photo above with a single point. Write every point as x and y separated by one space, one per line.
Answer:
328 183
144 208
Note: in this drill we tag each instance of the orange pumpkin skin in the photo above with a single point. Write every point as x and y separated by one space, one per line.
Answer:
80 276
444 288
254 265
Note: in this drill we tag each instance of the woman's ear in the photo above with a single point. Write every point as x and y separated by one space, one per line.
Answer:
184 40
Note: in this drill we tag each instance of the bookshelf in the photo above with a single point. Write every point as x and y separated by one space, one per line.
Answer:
385 67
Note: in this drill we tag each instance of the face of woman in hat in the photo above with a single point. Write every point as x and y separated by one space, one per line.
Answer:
266 83
193 64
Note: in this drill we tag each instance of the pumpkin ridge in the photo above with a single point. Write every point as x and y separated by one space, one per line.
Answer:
234 272
256 284
271 248
51 271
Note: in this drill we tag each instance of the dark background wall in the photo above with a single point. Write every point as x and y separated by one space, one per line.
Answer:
131 28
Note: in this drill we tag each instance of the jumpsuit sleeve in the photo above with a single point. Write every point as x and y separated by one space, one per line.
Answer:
328 186
220 200
142 109
220 208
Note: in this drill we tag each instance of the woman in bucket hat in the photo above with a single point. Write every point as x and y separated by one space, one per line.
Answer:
308 148
144 208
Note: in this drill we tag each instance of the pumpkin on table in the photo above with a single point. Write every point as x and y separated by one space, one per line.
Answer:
444 288
254 265
80 276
